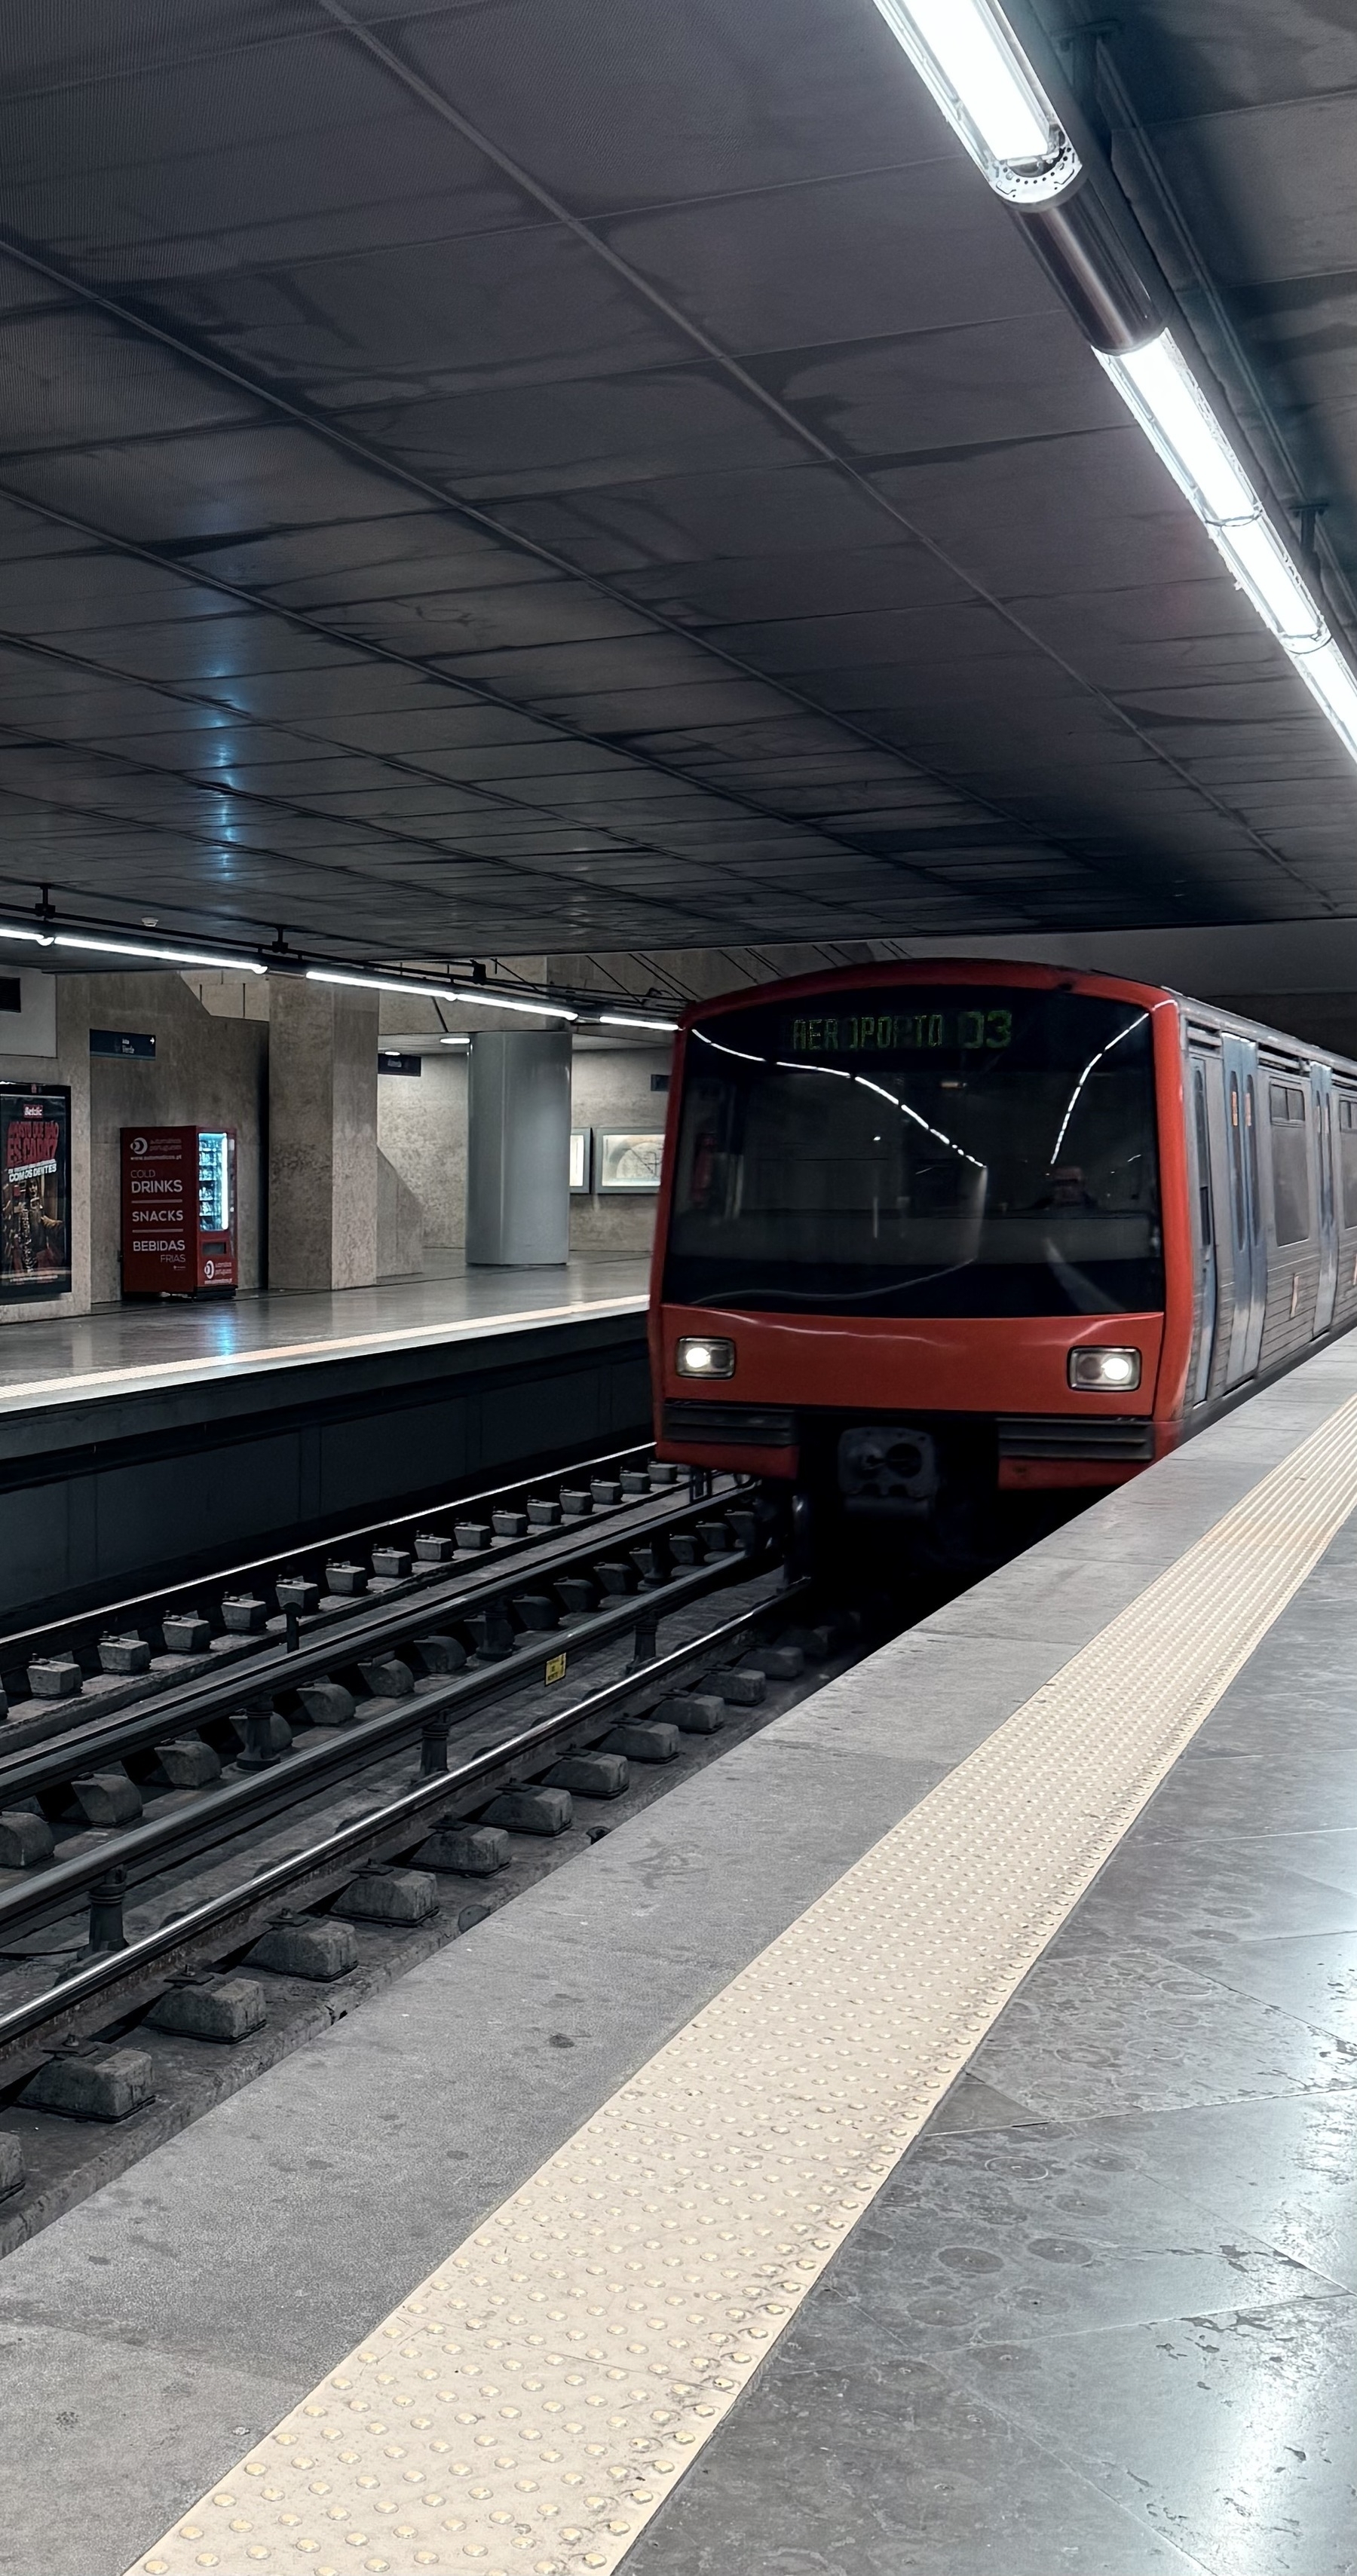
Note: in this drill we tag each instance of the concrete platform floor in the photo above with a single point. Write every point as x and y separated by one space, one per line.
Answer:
1103 2318
121 1349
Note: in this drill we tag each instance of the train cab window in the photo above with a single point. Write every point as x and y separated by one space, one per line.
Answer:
1347 1154
1290 1161
937 1150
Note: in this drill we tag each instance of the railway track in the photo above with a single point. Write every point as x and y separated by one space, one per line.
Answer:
158 1947
65 1671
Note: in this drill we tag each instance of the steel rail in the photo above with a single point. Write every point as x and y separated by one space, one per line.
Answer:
214 1815
226 1921
22 1642
152 1719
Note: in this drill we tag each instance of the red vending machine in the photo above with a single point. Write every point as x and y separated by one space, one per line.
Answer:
179 1211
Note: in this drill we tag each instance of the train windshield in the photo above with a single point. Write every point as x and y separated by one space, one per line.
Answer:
968 1150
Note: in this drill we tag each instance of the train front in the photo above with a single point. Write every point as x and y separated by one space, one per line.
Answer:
910 1258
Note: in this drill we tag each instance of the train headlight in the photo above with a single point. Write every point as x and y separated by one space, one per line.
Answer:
1104 1372
702 1355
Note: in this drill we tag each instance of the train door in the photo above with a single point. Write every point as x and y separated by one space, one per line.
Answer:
1247 1248
1208 1251
1321 1094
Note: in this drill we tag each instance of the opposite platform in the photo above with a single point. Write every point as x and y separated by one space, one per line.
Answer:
610 2317
152 1440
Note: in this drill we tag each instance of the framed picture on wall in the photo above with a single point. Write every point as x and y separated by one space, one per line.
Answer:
628 1159
581 1161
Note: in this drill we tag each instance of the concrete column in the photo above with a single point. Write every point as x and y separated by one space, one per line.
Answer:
518 1148
322 1136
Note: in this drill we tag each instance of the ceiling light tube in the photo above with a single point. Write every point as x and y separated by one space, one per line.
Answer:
1263 568
1163 395
438 992
97 945
1328 676
508 1002
161 956
455 1042
619 1020
968 56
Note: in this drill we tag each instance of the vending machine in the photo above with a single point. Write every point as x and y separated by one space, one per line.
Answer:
179 1211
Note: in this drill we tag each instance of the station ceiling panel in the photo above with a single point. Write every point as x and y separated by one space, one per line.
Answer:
562 474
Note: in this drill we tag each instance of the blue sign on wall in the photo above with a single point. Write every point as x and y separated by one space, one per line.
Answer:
130 1042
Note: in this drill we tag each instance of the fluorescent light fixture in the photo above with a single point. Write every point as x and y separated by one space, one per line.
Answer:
619 1020
162 956
1163 395
1327 674
1159 388
457 1042
1263 568
439 992
968 56
98 946
510 1002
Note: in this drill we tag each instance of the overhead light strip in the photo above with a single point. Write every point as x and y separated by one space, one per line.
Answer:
621 1020
481 993
97 945
967 54
1164 398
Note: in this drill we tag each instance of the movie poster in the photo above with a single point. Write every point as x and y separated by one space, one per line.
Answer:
35 1192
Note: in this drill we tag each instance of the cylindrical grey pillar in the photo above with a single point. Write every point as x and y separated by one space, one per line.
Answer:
518 1148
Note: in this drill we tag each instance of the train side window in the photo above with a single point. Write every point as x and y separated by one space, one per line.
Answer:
1237 1159
1290 1161
1204 1157
1347 1156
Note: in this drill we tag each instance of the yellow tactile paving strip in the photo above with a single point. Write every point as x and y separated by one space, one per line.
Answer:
531 2405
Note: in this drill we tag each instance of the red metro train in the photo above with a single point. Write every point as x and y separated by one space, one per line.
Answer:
931 1236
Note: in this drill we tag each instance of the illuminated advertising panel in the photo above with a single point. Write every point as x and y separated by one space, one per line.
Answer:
35 1192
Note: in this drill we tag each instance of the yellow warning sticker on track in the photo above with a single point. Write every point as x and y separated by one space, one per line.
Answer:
536 2399
555 1671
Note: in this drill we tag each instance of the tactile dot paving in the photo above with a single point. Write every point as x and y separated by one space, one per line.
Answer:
529 2407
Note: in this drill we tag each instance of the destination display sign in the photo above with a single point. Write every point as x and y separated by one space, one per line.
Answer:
896 1032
